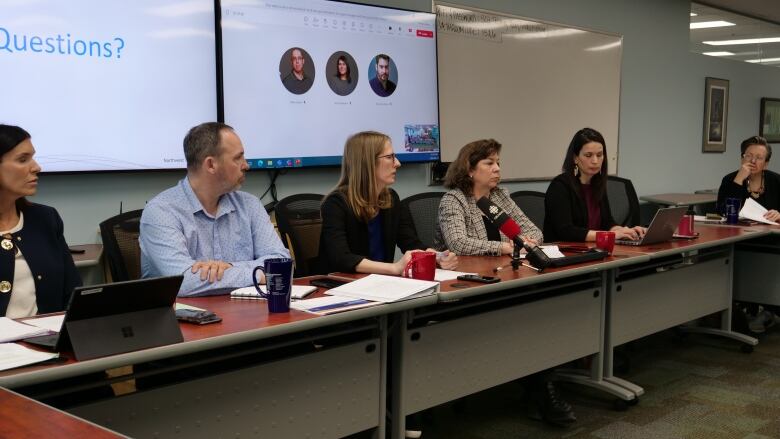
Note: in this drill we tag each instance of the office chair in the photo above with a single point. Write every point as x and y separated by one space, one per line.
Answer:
532 205
424 208
299 222
120 243
623 201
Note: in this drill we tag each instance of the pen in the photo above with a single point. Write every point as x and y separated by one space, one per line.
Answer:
530 266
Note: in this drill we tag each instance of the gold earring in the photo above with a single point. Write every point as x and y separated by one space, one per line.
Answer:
576 170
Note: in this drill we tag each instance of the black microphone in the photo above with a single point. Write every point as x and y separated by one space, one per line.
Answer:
511 229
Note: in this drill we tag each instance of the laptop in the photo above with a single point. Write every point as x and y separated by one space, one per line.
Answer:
661 228
118 317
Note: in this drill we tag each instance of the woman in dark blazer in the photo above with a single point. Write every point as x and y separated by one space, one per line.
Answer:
576 204
37 273
363 219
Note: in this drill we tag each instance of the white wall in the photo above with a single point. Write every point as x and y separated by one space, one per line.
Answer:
662 102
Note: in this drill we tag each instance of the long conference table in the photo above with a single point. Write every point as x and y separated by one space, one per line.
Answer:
301 375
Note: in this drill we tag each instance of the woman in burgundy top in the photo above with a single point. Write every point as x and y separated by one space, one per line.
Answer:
576 204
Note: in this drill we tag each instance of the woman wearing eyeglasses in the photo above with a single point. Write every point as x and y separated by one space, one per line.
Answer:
753 179
362 218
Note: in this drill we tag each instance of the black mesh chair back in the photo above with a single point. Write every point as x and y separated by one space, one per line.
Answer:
424 208
120 244
623 201
299 222
532 205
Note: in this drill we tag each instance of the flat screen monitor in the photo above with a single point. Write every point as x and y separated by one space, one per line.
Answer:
108 84
300 76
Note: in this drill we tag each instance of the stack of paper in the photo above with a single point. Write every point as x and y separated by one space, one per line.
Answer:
52 323
755 212
385 289
13 355
331 304
11 330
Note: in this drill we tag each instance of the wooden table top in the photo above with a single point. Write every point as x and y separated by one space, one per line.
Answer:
674 199
91 255
22 417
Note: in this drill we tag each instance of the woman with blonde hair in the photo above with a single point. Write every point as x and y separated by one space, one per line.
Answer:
363 219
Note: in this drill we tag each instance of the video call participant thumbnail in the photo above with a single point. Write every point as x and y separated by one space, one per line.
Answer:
301 74
381 83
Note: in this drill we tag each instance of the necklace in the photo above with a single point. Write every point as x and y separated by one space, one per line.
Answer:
756 193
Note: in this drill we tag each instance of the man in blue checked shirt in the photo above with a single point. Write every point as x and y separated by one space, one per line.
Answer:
204 227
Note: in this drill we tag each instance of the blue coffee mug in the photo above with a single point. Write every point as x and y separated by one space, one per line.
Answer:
732 210
278 283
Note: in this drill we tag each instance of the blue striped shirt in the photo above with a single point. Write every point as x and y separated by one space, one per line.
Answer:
176 232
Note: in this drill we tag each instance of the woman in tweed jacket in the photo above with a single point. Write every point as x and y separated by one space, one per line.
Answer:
462 226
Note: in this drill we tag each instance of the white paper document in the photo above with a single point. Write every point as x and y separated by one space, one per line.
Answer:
298 292
386 289
442 275
552 251
13 355
331 304
52 323
754 212
11 330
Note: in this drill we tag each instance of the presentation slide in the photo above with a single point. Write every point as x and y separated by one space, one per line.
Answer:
108 84
300 76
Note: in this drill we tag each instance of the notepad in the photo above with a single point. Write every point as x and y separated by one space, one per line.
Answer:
11 330
386 289
298 292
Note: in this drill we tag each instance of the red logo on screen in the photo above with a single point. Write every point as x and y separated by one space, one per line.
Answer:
425 33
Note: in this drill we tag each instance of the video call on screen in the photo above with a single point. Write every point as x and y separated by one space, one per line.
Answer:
301 76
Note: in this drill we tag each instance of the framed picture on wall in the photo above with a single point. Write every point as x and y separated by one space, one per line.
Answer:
769 127
716 107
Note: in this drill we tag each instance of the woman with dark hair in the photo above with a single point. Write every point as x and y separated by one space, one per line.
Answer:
342 69
753 179
362 218
576 204
474 174
37 273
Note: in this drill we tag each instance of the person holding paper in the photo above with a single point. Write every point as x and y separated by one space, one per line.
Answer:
37 273
204 227
362 218
474 174
576 204
753 179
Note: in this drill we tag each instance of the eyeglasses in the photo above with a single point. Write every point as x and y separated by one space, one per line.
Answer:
390 156
751 157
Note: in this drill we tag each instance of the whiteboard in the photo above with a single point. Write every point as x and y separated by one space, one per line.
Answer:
526 83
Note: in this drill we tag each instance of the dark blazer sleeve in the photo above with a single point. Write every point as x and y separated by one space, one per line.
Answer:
729 189
407 238
562 221
335 251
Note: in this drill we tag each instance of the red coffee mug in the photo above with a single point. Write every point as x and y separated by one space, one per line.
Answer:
422 266
685 228
605 241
